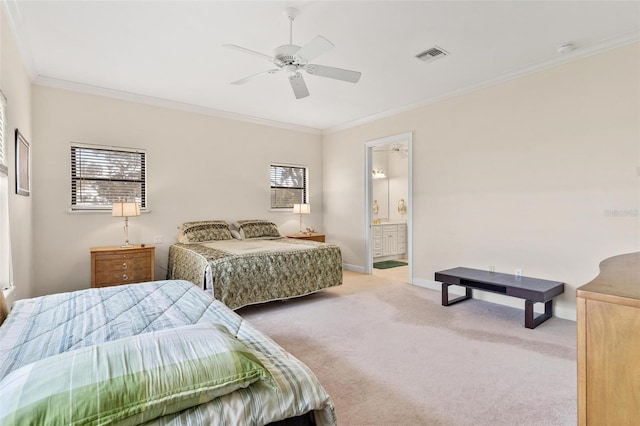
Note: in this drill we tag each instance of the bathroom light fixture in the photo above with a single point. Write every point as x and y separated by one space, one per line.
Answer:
301 209
125 209
378 174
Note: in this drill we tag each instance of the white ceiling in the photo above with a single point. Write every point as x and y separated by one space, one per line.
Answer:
170 52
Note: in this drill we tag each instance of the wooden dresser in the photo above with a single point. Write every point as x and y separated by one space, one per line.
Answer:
608 333
117 265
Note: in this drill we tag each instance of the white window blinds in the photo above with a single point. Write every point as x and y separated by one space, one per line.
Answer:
3 148
102 175
288 186
6 276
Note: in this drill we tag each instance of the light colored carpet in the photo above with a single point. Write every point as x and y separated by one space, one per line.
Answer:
389 354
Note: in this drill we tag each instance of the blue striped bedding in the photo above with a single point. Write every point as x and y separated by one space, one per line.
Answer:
45 327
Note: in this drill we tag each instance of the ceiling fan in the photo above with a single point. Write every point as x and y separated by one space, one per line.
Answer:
292 59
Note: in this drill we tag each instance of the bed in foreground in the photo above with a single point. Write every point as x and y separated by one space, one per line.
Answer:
156 353
261 267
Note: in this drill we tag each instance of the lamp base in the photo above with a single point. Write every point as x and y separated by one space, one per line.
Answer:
127 245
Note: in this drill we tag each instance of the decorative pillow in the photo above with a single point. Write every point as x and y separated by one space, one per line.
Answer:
235 234
257 229
207 230
131 380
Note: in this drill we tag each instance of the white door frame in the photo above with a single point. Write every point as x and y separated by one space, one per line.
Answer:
368 195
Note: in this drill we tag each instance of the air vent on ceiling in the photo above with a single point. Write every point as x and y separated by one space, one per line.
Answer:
432 54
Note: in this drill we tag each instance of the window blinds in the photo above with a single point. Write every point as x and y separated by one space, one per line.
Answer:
6 268
102 175
3 144
288 186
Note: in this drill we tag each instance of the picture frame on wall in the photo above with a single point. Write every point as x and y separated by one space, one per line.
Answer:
23 165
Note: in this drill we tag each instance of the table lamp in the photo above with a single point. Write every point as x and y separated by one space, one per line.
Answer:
125 209
301 209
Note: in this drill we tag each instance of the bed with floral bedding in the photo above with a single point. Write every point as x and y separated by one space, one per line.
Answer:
259 265
154 353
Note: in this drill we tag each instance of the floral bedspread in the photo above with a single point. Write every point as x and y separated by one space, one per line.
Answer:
243 279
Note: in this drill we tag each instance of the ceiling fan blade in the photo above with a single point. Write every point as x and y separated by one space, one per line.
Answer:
298 85
253 52
314 48
331 72
251 77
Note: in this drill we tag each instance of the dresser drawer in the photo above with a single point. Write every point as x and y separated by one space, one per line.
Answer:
117 266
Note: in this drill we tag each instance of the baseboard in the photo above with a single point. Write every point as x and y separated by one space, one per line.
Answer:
353 268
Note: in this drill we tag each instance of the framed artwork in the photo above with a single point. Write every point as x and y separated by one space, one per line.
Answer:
23 165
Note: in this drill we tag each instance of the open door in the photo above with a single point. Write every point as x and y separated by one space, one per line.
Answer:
395 203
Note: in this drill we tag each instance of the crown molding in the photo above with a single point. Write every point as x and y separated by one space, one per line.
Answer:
15 19
13 16
166 103
546 63
12 11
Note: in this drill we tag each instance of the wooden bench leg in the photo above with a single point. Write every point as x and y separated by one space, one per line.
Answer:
530 321
445 295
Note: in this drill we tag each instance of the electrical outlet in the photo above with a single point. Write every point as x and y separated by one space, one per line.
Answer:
492 269
518 273
158 239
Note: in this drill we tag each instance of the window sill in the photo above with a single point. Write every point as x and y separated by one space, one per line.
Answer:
89 211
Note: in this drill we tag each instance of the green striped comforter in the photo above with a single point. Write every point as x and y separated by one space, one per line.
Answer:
41 331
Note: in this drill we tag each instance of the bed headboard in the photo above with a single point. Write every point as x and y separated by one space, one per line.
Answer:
4 309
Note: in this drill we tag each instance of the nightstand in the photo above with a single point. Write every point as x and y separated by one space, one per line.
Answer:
311 237
119 265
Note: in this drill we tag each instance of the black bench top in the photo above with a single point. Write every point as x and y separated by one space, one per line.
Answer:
533 289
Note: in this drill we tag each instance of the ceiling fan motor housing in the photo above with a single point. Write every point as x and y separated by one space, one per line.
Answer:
286 54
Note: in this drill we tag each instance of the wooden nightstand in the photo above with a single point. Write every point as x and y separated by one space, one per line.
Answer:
118 265
311 236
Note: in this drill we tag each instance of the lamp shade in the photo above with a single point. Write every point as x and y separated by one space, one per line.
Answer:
302 208
125 209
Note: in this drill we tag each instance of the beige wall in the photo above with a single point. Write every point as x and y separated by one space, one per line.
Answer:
538 173
199 167
16 86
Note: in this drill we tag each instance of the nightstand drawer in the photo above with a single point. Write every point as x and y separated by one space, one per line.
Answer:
117 266
118 263
107 278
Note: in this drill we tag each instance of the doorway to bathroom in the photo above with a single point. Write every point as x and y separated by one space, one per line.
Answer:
388 205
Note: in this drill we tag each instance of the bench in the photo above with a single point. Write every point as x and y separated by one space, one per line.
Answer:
532 290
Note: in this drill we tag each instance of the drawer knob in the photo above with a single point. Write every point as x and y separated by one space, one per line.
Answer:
125 277
125 266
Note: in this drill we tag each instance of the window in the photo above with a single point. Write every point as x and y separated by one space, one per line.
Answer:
288 186
102 175
6 279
